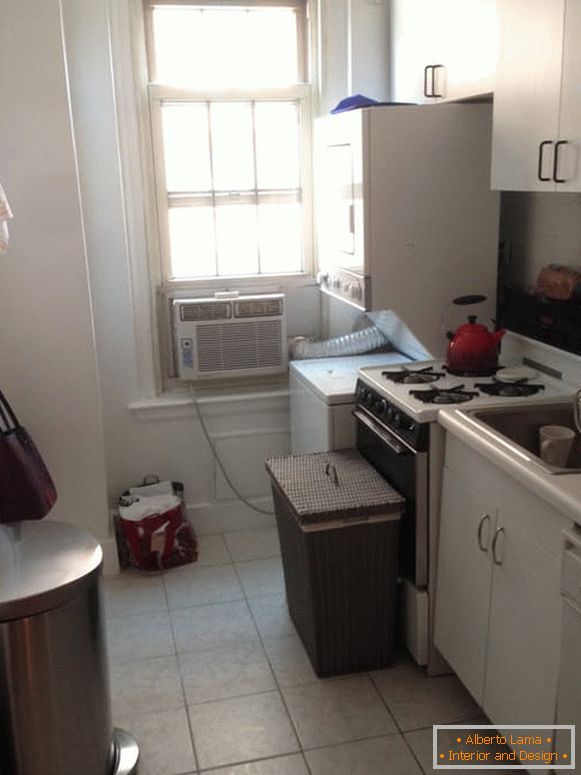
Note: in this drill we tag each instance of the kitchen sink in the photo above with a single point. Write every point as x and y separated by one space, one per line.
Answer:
520 425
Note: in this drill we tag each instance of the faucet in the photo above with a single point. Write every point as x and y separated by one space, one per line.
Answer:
577 410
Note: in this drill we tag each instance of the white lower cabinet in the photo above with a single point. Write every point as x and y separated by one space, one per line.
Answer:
522 667
463 582
498 605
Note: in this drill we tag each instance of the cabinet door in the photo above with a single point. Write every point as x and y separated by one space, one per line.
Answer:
460 37
524 635
463 581
527 94
469 49
414 45
569 162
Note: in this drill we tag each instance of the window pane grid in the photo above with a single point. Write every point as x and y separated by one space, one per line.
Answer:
255 229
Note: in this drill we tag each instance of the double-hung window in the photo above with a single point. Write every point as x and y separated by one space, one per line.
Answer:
230 114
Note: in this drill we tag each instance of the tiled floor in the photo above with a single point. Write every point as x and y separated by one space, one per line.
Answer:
209 675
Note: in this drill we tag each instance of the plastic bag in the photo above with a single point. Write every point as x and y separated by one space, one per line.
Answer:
153 527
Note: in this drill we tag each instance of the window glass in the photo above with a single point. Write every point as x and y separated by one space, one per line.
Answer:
236 237
277 145
280 238
186 147
225 47
193 248
232 146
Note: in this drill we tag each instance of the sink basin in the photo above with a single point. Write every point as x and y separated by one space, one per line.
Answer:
520 425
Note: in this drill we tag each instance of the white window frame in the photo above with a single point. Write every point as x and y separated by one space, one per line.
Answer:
126 20
301 93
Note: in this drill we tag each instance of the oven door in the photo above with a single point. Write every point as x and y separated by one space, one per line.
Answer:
406 469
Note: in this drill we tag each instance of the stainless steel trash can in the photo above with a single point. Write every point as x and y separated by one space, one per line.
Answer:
55 712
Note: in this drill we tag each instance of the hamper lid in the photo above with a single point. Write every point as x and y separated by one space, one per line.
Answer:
321 485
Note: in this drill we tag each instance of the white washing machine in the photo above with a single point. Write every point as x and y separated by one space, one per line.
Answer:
322 396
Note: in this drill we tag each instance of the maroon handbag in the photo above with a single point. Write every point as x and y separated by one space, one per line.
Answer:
26 488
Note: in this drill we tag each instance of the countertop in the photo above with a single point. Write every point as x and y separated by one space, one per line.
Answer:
561 491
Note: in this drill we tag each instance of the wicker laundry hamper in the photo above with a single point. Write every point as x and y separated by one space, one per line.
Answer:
338 522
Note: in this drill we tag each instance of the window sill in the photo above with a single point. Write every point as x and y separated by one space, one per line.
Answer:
216 401
257 284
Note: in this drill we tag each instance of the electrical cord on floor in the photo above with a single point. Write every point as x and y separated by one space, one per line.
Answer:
221 466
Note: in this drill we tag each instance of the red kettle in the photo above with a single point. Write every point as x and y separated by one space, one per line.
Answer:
473 349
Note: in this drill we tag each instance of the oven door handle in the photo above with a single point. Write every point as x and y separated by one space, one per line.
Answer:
389 439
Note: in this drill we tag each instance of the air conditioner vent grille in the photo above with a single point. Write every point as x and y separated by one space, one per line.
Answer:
237 346
258 308
213 311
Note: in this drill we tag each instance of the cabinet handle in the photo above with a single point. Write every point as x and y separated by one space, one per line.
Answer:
558 145
542 147
427 69
499 530
483 520
434 92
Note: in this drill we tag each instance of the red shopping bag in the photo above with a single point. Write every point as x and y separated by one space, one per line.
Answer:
161 540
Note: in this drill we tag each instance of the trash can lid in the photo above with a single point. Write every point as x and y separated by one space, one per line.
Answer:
43 565
321 485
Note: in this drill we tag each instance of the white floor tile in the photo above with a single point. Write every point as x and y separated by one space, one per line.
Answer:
338 711
226 672
145 685
139 637
164 741
418 701
289 661
284 765
261 577
193 585
381 756
272 616
212 550
240 730
255 544
211 626
130 594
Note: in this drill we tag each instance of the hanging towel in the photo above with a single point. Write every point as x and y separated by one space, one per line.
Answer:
5 215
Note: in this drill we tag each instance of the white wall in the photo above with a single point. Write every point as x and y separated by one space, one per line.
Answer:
541 229
47 348
354 50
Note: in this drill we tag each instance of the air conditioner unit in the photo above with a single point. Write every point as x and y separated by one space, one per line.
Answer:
230 337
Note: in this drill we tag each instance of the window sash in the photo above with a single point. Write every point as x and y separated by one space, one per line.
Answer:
301 6
158 94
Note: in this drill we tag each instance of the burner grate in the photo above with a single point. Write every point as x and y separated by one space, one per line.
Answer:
516 389
408 376
455 395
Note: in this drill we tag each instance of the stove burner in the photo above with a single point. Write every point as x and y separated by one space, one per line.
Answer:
516 389
407 376
455 395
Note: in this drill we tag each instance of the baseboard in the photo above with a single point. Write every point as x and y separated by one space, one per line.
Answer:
110 559
208 518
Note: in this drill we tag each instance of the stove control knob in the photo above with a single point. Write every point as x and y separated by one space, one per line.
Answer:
381 408
337 283
397 420
412 427
356 292
368 399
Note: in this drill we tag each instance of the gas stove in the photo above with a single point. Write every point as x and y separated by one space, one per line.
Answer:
416 392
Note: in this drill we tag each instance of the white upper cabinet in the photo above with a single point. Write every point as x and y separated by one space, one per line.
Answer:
443 49
537 99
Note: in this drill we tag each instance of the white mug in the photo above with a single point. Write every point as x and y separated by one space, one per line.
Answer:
556 442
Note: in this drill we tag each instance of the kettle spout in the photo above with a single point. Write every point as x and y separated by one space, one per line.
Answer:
497 335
